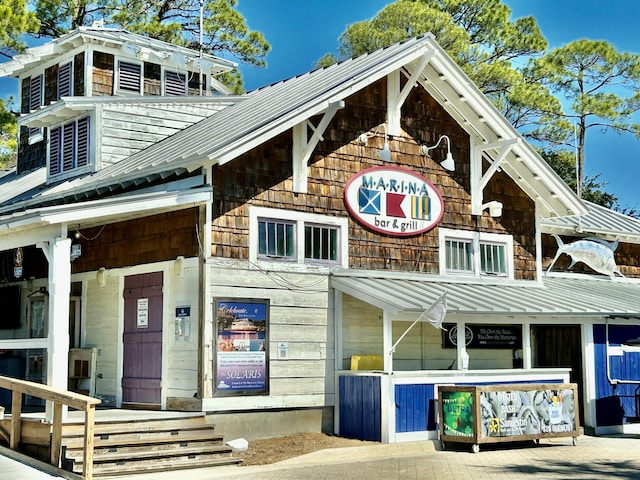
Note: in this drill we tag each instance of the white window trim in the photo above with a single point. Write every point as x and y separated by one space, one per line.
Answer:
128 93
300 219
476 238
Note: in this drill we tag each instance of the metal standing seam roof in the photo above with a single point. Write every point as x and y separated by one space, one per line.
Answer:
599 221
556 296
269 111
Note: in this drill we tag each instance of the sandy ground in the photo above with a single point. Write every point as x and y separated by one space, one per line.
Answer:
271 450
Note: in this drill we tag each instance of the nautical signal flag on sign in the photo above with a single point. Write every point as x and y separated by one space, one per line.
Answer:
369 201
394 205
421 207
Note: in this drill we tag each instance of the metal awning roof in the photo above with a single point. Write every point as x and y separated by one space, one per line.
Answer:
555 296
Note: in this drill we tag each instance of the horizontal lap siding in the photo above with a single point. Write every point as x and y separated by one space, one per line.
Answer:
127 129
299 318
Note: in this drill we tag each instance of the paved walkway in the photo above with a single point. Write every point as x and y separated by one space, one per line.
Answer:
598 458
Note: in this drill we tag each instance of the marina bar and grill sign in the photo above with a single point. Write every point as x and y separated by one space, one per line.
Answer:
394 201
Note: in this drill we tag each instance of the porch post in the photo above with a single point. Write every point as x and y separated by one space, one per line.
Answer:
387 341
58 316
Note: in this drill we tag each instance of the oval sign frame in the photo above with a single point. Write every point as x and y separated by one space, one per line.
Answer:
393 201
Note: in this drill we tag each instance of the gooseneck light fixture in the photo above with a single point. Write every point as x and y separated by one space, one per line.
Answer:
448 162
385 152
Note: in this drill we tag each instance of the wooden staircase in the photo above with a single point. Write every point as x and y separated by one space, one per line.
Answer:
147 445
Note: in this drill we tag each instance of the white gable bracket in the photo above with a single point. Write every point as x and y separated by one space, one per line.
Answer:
302 149
397 97
480 181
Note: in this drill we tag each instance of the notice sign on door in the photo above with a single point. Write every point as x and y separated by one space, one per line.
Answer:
143 313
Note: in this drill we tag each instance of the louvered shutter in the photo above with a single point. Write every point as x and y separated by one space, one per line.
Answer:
64 81
175 84
129 75
68 141
35 96
54 151
83 142
35 101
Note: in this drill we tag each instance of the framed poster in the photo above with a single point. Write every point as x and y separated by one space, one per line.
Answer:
242 347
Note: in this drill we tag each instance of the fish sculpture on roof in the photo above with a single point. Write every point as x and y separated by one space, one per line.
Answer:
593 252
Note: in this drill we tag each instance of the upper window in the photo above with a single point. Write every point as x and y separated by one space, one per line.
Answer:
475 253
129 78
175 84
298 237
69 147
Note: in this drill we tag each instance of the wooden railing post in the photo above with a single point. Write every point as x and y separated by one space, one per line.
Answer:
16 423
56 434
59 399
87 455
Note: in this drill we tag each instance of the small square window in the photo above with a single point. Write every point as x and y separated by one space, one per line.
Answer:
459 255
321 243
276 239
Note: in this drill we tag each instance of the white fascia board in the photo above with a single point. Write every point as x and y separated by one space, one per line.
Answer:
314 107
567 202
113 207
44 222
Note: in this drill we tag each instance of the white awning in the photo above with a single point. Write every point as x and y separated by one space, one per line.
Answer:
554 296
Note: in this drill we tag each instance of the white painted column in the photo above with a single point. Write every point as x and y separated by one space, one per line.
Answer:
58 314
463 357
387 341
527 352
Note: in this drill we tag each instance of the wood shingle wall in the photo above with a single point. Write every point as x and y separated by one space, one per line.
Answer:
263 177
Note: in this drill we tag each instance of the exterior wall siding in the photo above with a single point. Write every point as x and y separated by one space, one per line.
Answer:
264 177
127 129
300 318
145 240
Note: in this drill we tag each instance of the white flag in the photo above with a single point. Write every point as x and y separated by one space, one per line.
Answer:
435 313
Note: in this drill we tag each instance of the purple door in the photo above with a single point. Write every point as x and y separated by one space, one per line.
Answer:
142 339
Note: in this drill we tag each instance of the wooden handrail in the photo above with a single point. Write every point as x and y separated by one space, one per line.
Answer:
59 399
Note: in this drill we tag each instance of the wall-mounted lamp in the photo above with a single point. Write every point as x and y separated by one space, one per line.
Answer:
178 266
495 208
101 276
448 162
385 153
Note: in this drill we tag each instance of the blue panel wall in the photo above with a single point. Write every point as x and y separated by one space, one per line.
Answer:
360 411
415 408
614 403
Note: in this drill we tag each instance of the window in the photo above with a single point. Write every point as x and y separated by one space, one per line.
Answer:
69 147
175 84
297 237
320 243
475 253
276 239
129 78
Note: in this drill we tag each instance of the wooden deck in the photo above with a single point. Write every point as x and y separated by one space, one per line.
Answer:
130 441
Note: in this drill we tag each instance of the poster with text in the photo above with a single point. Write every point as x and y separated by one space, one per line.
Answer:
457 413
527 412
242 347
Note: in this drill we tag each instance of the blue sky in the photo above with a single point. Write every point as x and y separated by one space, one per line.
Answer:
299 35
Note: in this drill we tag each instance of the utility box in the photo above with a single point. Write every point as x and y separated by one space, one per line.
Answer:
507 413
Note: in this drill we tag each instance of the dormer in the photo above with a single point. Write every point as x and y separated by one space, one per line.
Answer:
58 129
